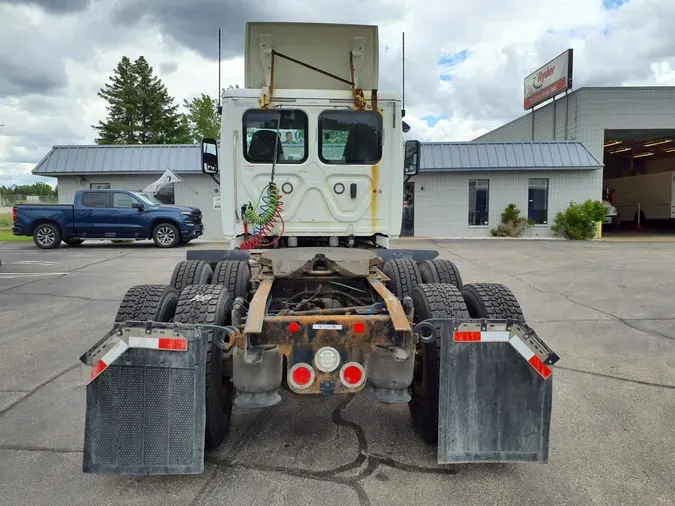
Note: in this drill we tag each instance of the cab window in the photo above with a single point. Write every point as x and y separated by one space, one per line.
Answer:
261 135
123 200
350 137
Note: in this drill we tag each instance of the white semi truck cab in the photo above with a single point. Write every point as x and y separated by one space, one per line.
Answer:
310 152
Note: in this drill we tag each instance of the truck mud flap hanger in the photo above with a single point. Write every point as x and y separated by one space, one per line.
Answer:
215 256
145 394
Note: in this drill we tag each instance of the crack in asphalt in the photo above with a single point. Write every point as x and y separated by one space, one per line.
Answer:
618 378
624 321
372 462
32 392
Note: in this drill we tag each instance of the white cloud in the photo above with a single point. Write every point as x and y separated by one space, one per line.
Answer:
64 50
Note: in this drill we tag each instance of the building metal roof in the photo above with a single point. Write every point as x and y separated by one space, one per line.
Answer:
123 158
485 156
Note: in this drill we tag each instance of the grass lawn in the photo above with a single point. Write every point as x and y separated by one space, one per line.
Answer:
7 236
5 221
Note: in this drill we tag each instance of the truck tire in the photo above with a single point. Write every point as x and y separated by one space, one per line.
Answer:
234 275
404 276
431 301
71 241
47 236
491 300
166 235
211 305
191 272
155 303
440 271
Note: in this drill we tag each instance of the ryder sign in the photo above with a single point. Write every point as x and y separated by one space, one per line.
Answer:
548 81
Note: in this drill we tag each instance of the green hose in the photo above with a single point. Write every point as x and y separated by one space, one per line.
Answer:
262 215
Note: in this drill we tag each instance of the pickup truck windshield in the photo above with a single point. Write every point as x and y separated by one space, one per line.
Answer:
148 199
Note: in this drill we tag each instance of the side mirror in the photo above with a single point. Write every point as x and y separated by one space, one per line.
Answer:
411 160
137 205
209 156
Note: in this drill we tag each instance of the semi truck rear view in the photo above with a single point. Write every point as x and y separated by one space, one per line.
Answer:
309 298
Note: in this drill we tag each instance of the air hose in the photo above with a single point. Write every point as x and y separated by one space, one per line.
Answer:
264 217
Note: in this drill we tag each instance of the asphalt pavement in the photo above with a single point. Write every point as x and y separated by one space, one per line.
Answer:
605 308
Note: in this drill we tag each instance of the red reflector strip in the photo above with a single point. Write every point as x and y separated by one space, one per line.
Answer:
110 356
481 337
540 367
97 369
173 344
467 337
161 343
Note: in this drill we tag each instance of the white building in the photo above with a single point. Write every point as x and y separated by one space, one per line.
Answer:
631 130
463 187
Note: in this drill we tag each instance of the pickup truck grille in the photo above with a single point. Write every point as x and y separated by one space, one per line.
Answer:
196 217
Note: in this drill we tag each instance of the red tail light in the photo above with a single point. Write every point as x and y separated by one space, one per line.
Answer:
14 210
301 376
352 375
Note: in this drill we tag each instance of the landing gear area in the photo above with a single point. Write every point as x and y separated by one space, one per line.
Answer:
321 322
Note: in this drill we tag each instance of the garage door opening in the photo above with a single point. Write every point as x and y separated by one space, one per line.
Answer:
639 178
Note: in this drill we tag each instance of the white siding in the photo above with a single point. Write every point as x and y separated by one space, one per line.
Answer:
442 199
195 190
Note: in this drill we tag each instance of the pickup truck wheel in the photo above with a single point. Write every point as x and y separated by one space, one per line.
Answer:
234 275
440 271
191 272
404 276
47 236
491 300
73 242
166 235
431 301
211 305
155 303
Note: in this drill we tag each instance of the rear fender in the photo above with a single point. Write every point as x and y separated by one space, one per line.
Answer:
495 391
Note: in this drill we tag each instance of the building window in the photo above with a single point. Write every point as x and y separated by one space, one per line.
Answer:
479 201
537 200
99 186
350 137
100 200
261 134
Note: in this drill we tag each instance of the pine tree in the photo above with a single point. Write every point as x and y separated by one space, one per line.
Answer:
202 117
122 98
148 115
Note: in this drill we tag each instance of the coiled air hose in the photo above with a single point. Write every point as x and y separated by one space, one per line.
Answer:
264 217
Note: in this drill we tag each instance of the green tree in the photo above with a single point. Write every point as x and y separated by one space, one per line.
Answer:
202 117
140 109
122 97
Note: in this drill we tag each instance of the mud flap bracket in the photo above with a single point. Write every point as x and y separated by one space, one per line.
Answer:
145 411
495 391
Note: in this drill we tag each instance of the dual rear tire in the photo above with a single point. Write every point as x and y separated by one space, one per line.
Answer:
193 296
437 291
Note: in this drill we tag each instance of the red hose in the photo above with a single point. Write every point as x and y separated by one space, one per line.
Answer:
256 241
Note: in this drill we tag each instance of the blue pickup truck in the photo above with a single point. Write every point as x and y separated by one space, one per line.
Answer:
108 214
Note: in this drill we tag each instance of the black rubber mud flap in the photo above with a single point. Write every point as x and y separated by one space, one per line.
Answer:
494 404
145 412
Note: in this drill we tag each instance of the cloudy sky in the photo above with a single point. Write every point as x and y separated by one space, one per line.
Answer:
465 61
